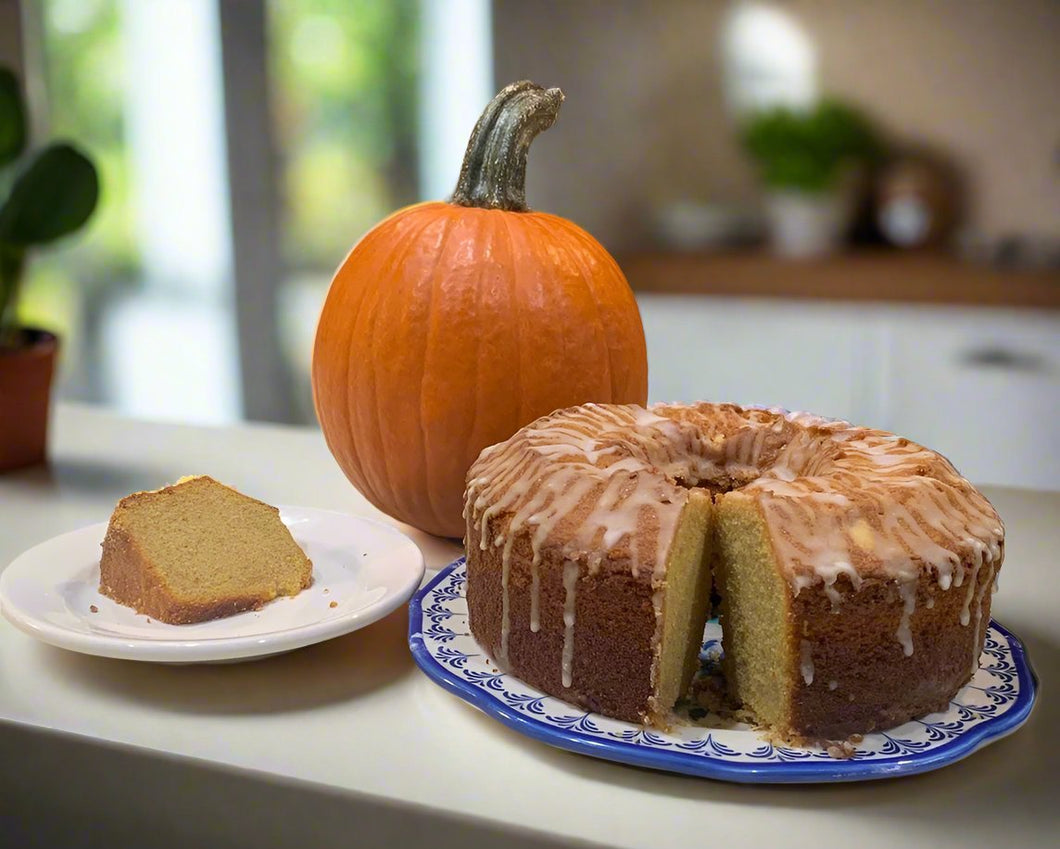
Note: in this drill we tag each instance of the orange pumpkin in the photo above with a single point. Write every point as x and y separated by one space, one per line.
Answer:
451 325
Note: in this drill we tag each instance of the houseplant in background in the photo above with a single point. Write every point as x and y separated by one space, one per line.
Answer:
44 195
809 161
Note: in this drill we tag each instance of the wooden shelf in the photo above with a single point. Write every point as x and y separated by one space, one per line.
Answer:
915 277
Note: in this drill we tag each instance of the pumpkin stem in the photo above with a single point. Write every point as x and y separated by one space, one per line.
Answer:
493 175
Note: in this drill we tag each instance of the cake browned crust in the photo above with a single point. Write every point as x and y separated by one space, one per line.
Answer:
198 550
855 568
855 678
612 656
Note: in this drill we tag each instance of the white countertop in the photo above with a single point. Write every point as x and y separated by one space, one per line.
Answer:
354 725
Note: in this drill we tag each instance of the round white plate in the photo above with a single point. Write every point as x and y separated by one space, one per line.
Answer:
362 570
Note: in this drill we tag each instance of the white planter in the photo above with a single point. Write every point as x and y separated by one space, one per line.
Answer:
802 226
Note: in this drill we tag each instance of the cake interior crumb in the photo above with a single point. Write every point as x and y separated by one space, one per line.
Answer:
711 706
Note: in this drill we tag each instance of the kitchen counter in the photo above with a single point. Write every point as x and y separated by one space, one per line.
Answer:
347 743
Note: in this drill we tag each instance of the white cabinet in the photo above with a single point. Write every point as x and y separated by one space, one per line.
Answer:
772 353
980 385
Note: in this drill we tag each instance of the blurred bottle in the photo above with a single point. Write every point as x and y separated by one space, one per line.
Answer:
916 203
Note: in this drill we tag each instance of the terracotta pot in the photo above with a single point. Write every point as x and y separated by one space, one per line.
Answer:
25 392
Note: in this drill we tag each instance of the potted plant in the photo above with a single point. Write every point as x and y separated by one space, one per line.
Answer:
44 195
807 159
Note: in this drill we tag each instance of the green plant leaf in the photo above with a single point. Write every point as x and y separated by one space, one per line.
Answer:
12 117
54 196
807 150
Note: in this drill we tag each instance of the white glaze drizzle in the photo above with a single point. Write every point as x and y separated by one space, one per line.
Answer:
904 634
980 624
806 661
535 597
830 574
570 584
913 509
506 566
977 564
598 479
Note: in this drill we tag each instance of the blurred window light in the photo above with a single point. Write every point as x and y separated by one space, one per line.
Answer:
74 16
164 346
375 102
174 127
344 88
144 300
456 48
156 342
317 41
768 58
69 288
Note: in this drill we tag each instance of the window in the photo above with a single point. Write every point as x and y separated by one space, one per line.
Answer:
769 59
146 299
344 107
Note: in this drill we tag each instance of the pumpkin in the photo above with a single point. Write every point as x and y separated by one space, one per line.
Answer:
451 325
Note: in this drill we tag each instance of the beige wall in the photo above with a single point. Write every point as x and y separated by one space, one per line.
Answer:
645 123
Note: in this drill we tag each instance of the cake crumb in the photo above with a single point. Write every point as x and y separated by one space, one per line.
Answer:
709 694
333 604
710 705
326 590
841 751
93 608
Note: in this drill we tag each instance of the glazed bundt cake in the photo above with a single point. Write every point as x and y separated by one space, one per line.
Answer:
853 567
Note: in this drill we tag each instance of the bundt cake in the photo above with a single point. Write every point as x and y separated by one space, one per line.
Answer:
853 567
198 550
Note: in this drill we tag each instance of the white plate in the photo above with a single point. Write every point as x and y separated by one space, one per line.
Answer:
364 568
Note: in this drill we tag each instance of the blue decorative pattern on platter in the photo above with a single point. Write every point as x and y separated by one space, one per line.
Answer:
993 704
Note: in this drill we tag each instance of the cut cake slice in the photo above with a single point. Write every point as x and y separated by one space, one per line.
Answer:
199 550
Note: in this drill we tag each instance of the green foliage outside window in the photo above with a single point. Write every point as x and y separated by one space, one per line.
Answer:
344 76
84 76
343 107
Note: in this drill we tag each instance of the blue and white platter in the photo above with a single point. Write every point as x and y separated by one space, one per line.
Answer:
996 702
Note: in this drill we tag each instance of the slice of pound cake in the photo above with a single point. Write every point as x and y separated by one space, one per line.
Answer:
199 550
